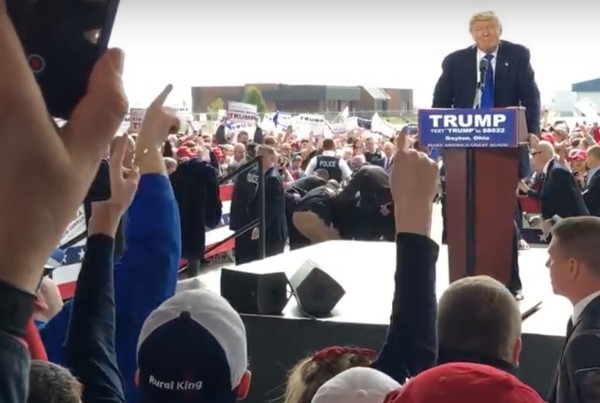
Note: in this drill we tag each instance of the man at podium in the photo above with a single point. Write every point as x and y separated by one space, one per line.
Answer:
503 72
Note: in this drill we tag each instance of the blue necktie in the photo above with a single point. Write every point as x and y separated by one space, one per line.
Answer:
487 96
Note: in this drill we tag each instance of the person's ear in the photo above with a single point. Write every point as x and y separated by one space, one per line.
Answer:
517 352
137 378
244 386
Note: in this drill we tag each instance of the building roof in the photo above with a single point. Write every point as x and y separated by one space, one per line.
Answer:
377 94
587 86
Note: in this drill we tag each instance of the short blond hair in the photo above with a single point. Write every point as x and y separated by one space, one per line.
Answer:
578 238
484 16
594 152
479 315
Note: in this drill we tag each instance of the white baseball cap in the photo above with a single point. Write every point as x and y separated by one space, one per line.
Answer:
192 348
356 385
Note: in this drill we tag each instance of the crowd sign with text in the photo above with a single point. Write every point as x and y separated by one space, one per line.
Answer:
468 128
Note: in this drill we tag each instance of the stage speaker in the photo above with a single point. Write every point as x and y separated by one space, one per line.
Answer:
317 292
264 294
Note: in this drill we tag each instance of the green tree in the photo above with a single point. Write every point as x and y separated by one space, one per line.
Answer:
215 105
253 96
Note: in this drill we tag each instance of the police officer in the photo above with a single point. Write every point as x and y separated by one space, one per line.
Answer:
373 217
244 191
314 212
335 166
275 219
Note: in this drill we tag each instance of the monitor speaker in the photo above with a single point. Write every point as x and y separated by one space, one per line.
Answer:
263 294
317 292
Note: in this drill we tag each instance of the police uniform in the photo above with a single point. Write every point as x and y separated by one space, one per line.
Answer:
241 214
275 219
313 215
331 164
373 216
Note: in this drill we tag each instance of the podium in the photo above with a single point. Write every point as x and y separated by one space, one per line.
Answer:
480 149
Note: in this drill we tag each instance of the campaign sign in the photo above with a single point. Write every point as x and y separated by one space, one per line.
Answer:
468 128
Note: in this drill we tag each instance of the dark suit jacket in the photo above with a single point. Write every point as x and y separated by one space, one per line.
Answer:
514 85
578 375
514 81
197 192
275 218
591 195
560 194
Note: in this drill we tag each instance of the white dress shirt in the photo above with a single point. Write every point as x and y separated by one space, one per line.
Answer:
480 55
581 305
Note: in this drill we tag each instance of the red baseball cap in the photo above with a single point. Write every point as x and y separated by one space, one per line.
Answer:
466 383
185 152
577 155
548 137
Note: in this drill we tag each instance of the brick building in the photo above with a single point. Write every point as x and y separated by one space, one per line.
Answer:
311 98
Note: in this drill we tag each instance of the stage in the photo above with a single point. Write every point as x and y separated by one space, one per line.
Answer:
366 271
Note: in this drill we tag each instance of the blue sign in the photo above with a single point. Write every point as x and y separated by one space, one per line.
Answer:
468 128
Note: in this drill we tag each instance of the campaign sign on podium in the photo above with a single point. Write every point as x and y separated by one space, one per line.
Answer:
481 150
469 128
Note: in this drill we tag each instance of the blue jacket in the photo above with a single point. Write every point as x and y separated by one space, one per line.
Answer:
145 276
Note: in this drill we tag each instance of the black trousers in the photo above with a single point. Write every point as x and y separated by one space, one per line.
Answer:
246 250
515 283
193 267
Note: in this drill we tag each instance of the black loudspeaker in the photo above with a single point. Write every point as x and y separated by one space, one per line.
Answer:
264 294
317 292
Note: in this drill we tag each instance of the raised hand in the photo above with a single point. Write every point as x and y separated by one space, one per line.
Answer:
45 173
123 181
123 185
158 120
414 183
414 175
156 126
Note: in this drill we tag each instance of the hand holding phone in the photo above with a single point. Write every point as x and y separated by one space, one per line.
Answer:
63 40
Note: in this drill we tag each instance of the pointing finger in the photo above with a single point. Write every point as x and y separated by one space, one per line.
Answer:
118 155
162 97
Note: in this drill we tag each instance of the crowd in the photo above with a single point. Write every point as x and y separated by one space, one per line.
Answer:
130 334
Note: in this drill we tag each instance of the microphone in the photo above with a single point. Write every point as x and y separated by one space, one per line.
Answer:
483 66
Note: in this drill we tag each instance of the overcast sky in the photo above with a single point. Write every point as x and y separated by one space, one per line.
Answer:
373 43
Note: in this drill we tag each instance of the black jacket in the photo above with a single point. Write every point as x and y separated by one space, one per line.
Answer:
196 189
90 351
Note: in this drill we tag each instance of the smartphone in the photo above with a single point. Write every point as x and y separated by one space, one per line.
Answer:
63 39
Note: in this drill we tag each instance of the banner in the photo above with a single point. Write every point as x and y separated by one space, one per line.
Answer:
75 237
468 128
72 244
136 116
306 123
242 112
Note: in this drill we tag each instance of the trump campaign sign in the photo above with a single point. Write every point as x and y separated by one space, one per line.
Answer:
469 128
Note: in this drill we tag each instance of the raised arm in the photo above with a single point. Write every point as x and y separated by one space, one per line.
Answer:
43 186
90 348
146 274
411 342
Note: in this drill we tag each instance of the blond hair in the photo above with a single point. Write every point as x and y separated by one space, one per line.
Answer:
479 315
594 152
484 16
308 375
578 238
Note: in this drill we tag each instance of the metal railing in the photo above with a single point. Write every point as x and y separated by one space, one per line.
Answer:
260 222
